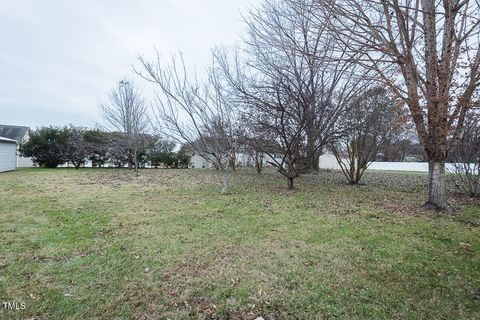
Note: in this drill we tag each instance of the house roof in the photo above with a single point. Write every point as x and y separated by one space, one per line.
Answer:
13 132
3 139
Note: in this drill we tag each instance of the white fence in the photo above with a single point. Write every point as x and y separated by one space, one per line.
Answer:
328 161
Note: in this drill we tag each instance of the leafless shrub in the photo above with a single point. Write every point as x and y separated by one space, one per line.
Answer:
465 157
365 125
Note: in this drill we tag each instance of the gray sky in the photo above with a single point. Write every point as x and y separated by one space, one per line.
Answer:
59 59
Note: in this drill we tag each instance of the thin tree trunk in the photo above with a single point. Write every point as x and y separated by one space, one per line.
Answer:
135 162
232 162
312 151
130 159
259 163
258 166
290 183
225 180
437 187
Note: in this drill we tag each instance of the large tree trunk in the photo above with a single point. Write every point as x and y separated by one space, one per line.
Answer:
316 163
437 187
311 162
316 160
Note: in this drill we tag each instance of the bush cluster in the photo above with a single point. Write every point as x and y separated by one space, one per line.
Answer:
51 147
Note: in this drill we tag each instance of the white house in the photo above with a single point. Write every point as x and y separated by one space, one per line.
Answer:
18 134
198 161
8 154
242 160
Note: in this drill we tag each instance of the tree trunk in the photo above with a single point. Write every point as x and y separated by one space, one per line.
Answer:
437 187
233 163
311 163
290 183
316 163
225 181
135 162
259 163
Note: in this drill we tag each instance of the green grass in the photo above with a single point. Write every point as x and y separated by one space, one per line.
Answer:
75 245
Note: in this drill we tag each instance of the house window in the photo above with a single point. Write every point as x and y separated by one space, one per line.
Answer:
204 164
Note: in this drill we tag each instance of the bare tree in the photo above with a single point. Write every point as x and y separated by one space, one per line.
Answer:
126 113
199 114
292 89
365 126
288 45
427 53
277 129
465 156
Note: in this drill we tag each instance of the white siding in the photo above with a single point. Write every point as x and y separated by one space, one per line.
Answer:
8 156
21 161
199 162
24 162
328 161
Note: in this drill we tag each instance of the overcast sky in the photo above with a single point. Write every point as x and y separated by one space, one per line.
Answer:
59 59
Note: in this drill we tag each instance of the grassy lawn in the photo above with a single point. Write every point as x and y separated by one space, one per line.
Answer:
106 244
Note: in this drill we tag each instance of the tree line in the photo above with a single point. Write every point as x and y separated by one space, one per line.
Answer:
51 147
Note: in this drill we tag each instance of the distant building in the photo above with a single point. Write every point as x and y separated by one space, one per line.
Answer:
197 161
8 154
17 134
241 160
